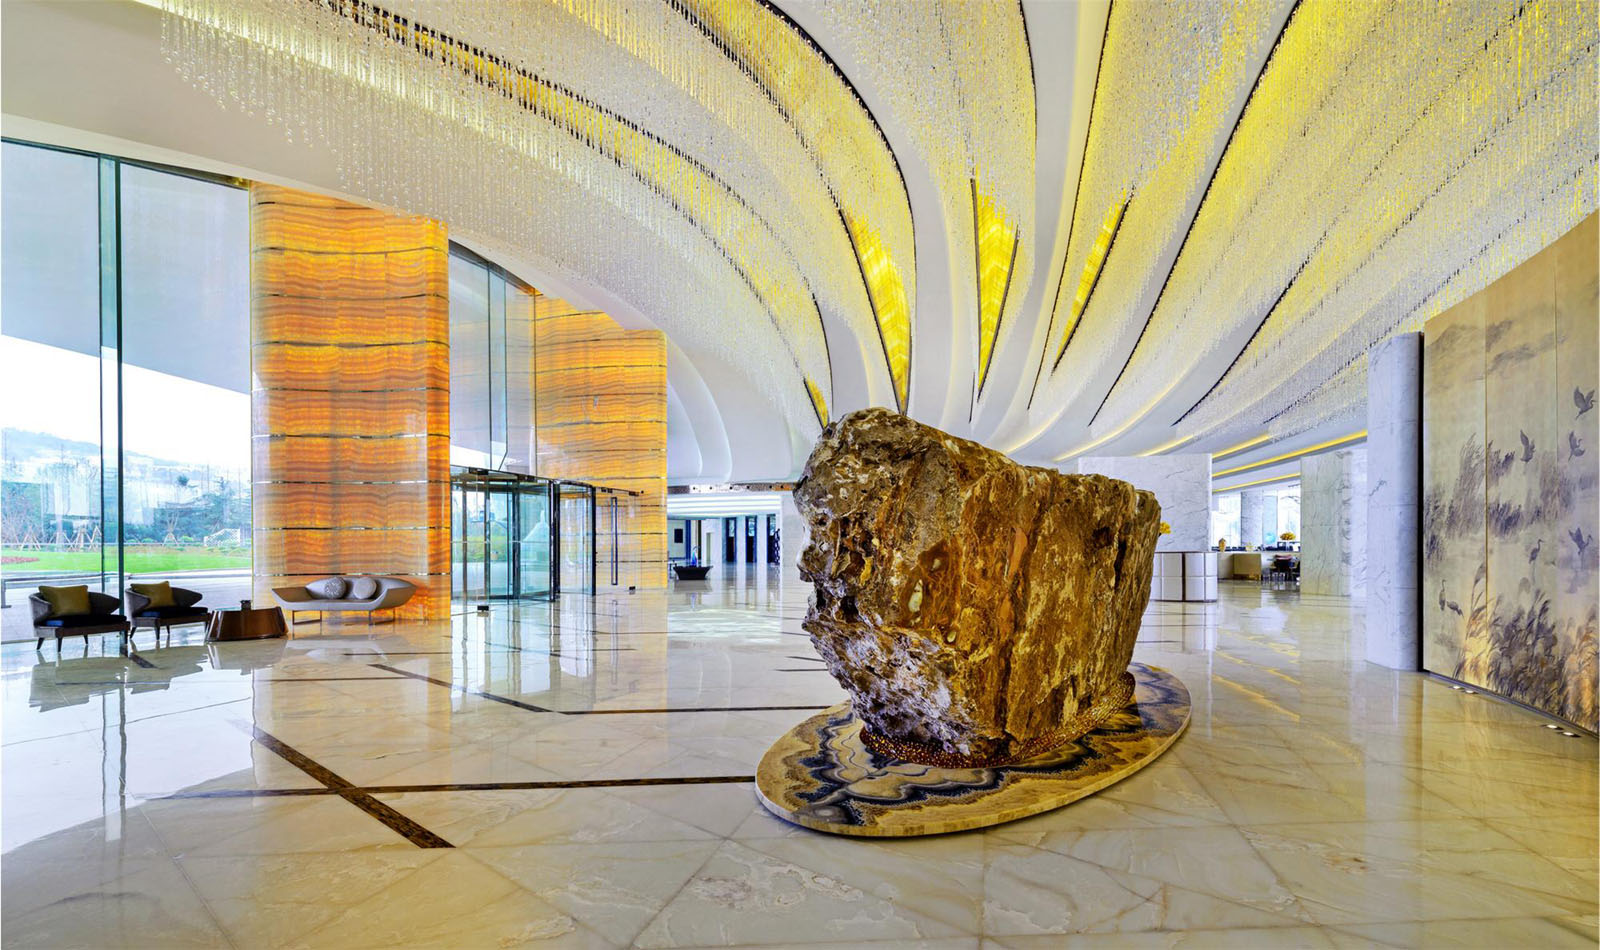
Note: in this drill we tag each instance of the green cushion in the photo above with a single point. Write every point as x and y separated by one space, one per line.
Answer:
160 594
66 601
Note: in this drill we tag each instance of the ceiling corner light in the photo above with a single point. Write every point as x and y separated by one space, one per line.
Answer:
1091 274
995 239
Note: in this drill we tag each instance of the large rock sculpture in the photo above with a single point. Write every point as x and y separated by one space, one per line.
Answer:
978 611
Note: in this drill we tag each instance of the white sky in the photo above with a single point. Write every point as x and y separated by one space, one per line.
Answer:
50 389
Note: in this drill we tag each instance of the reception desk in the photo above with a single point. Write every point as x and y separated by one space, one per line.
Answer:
1244 565
1184 576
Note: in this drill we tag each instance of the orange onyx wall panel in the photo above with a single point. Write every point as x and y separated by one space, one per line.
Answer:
350 395
601 403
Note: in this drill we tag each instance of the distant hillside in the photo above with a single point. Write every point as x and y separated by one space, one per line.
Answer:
20 444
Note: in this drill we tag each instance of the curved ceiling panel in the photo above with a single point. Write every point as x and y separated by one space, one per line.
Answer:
957 77
718 129
1243 198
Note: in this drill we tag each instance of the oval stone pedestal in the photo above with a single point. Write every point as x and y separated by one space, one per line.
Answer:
822 776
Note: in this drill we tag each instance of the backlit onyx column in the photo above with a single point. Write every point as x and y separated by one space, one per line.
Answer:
350 397
602 418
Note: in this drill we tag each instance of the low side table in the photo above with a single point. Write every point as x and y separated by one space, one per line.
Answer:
235 623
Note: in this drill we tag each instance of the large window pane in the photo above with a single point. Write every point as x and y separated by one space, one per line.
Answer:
185 379
469 364
50 510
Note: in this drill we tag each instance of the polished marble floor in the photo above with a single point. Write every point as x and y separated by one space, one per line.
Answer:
577 774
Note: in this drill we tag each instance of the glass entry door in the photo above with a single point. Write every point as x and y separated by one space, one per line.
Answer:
615 553
501 536
575 518
533 544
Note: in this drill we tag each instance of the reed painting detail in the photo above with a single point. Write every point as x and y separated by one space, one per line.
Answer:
1511 482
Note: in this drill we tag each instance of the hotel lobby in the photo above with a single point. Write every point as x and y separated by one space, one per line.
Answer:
799 473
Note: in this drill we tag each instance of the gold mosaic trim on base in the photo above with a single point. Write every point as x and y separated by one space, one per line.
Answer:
822 774
907 750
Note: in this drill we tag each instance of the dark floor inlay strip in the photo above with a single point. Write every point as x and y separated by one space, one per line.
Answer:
682 709
249 793
398 823
300 760
370 790
471 692
575 783
141 661
403 826
333 679
808 659
582 712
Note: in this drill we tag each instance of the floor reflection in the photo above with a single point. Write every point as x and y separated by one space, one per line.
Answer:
586 762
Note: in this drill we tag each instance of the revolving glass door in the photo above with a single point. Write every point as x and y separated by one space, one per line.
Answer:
501 535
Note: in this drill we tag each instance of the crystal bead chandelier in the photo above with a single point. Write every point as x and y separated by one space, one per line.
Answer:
742 182
1390 160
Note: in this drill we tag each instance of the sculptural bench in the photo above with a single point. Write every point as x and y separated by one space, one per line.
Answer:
389 594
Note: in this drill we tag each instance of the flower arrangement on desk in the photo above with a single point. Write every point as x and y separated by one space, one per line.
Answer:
1166 528
1286 536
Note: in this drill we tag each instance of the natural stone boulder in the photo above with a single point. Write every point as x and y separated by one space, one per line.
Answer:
977 610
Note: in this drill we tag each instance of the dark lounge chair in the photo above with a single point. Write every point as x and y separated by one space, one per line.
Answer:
185 609
101 618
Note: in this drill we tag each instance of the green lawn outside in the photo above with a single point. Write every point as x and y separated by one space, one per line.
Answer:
140 560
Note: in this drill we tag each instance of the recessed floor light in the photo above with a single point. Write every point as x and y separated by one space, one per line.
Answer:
1572 734
1551 725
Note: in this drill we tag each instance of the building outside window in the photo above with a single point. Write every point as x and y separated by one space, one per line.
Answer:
125 440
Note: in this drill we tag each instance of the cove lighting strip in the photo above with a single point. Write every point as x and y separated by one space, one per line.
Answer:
1259 481
1297 453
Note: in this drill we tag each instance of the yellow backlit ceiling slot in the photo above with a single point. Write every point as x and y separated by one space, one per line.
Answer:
887 293
818 403
996 239
1091 272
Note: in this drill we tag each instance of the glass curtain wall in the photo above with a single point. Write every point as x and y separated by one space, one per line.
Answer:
1225 520
124 375
1285 519
503 532
491 368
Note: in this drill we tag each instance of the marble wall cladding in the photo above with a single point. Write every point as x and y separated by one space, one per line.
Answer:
1182 486
1511 481
1394 472
1250 517
1333 523
349 343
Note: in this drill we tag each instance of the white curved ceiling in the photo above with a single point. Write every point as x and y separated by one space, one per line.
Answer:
1145 227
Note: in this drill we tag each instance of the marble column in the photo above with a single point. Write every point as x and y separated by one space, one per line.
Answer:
792 534
1333 523
1250 518
1182 485
1394 472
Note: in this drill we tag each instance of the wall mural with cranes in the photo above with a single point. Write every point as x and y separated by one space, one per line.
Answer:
1511 482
